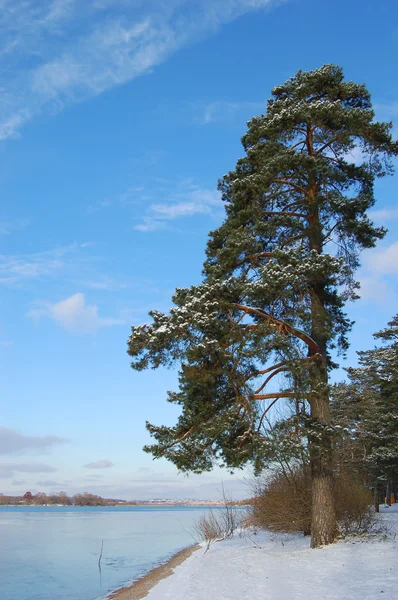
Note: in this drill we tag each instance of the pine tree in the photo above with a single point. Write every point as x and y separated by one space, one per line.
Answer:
366 410
277 275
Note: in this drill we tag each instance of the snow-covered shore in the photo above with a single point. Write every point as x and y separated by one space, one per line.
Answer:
277 567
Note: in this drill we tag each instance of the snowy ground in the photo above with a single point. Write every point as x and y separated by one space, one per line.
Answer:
283 567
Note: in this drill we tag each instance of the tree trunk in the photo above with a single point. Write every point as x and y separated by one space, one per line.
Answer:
388 493
323 524
376 498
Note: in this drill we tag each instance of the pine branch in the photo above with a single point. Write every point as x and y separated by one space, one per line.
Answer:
265 413
295 186
264 384
276 395
283 327
283 213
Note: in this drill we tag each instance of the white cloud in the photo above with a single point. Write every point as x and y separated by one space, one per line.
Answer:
226 112
377 276
182 209
383 260
186 200
8 469
74 314
49 482
15 269
355 156
13 442
388 109
54 53
374 289
8 227
383 215
100 464
103 283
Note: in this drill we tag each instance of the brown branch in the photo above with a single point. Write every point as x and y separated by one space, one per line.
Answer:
301 143
284 364
293 185
287 214
292 204
326 145
253 256
283 327
180 439
263 385
265 412
329 233
276 395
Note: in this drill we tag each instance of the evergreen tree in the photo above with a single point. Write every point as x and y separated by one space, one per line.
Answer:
271 303
366 409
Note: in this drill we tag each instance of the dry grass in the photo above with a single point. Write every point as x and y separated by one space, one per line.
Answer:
219 524
284 503
354 505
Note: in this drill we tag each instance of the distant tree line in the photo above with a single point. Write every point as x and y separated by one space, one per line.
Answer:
42 499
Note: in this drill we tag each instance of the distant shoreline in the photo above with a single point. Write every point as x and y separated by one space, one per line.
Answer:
212 504
142 586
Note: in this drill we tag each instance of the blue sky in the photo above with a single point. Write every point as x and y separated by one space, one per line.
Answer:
117 117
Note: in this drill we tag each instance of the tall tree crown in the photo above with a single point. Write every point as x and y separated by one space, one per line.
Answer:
277 274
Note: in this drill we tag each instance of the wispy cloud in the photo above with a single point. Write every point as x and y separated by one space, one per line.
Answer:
378 275
99 464
226 113
8 227
186 200
14 269
73 314
387 109
8 469
74 263
384 215
14 442
50 482
54 53
103 283
384 260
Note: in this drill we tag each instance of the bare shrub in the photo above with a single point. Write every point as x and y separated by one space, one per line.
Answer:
354 505
220 523
208 527
283 503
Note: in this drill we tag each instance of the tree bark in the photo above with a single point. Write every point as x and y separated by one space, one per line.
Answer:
323 527
388 493
376 497
323 524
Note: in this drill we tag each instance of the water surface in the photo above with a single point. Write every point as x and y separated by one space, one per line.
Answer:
51 553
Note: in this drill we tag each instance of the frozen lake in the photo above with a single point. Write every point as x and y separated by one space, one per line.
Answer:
52 553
